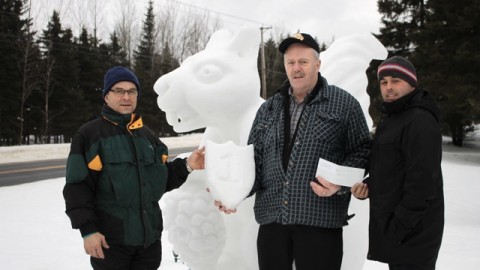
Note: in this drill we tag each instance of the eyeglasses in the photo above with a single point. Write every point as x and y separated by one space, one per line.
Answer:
121 92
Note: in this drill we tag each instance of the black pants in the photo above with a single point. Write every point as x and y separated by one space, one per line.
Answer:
410 267
312 248
129 258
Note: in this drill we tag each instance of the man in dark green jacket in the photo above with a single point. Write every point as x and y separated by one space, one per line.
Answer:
117 171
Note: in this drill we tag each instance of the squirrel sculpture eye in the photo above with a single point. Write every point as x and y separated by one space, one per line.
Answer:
210 73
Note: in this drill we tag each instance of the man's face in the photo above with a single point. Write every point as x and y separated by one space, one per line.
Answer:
394 88
301 65
122 98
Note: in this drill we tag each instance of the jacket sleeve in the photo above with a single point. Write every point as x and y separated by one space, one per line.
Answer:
358 141
256 138
422 150
177 173
79 190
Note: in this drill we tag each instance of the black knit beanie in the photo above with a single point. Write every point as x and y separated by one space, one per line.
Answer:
398 67
119 74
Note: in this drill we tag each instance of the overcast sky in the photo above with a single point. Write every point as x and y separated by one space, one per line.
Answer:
324 19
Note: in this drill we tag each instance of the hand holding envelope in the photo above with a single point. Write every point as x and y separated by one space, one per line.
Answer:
339 175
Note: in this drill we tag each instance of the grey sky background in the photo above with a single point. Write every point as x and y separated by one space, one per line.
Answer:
327 20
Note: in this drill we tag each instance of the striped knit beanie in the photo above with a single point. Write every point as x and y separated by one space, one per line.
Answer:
398 67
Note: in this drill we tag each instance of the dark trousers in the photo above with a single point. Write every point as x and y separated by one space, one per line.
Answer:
410 267
312 248
129 258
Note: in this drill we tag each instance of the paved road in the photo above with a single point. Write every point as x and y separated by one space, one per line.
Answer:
26 172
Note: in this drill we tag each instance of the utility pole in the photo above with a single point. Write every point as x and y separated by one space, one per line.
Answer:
262 58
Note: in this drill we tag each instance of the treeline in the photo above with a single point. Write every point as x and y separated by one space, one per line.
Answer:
52 80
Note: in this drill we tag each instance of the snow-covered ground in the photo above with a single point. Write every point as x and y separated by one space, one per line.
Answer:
35 233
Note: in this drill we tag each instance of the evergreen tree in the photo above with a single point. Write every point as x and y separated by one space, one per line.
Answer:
15 36
60 78
145 57
30 64
67 101
275 76
90 77
117 55
447 56
401 19
166 62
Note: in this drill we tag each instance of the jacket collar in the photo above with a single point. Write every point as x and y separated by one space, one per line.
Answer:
399 104
317 94
131 121
418 98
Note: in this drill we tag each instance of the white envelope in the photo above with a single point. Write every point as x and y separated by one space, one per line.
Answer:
339 175
230 171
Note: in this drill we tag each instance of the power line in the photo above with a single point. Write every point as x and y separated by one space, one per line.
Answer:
218 12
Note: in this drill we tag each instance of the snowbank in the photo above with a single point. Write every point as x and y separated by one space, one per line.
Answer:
22 153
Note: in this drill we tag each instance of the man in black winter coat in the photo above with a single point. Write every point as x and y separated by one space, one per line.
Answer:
405 184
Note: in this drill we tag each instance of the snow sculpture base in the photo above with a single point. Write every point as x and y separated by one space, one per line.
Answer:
195 227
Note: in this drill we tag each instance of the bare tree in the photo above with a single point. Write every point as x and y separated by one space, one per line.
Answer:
42 9
194 31
48 77
165 25
127 27
95 15
89 15
77 11
24 67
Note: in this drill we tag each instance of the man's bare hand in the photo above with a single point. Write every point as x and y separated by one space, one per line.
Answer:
93 245
196 160
360 191
325 188
222 208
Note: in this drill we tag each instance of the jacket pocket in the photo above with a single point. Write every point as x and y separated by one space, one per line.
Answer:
119 180
328 126
389 162
123 179
156 177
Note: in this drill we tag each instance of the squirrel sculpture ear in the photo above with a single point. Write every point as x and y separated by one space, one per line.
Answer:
244 42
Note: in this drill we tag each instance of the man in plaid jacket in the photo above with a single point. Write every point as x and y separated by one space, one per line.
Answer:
301 218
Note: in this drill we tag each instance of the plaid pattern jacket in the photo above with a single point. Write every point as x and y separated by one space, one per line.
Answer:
331 127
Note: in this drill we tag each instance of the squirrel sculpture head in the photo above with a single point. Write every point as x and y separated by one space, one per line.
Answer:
214 86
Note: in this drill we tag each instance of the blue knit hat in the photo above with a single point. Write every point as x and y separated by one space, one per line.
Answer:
118 74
